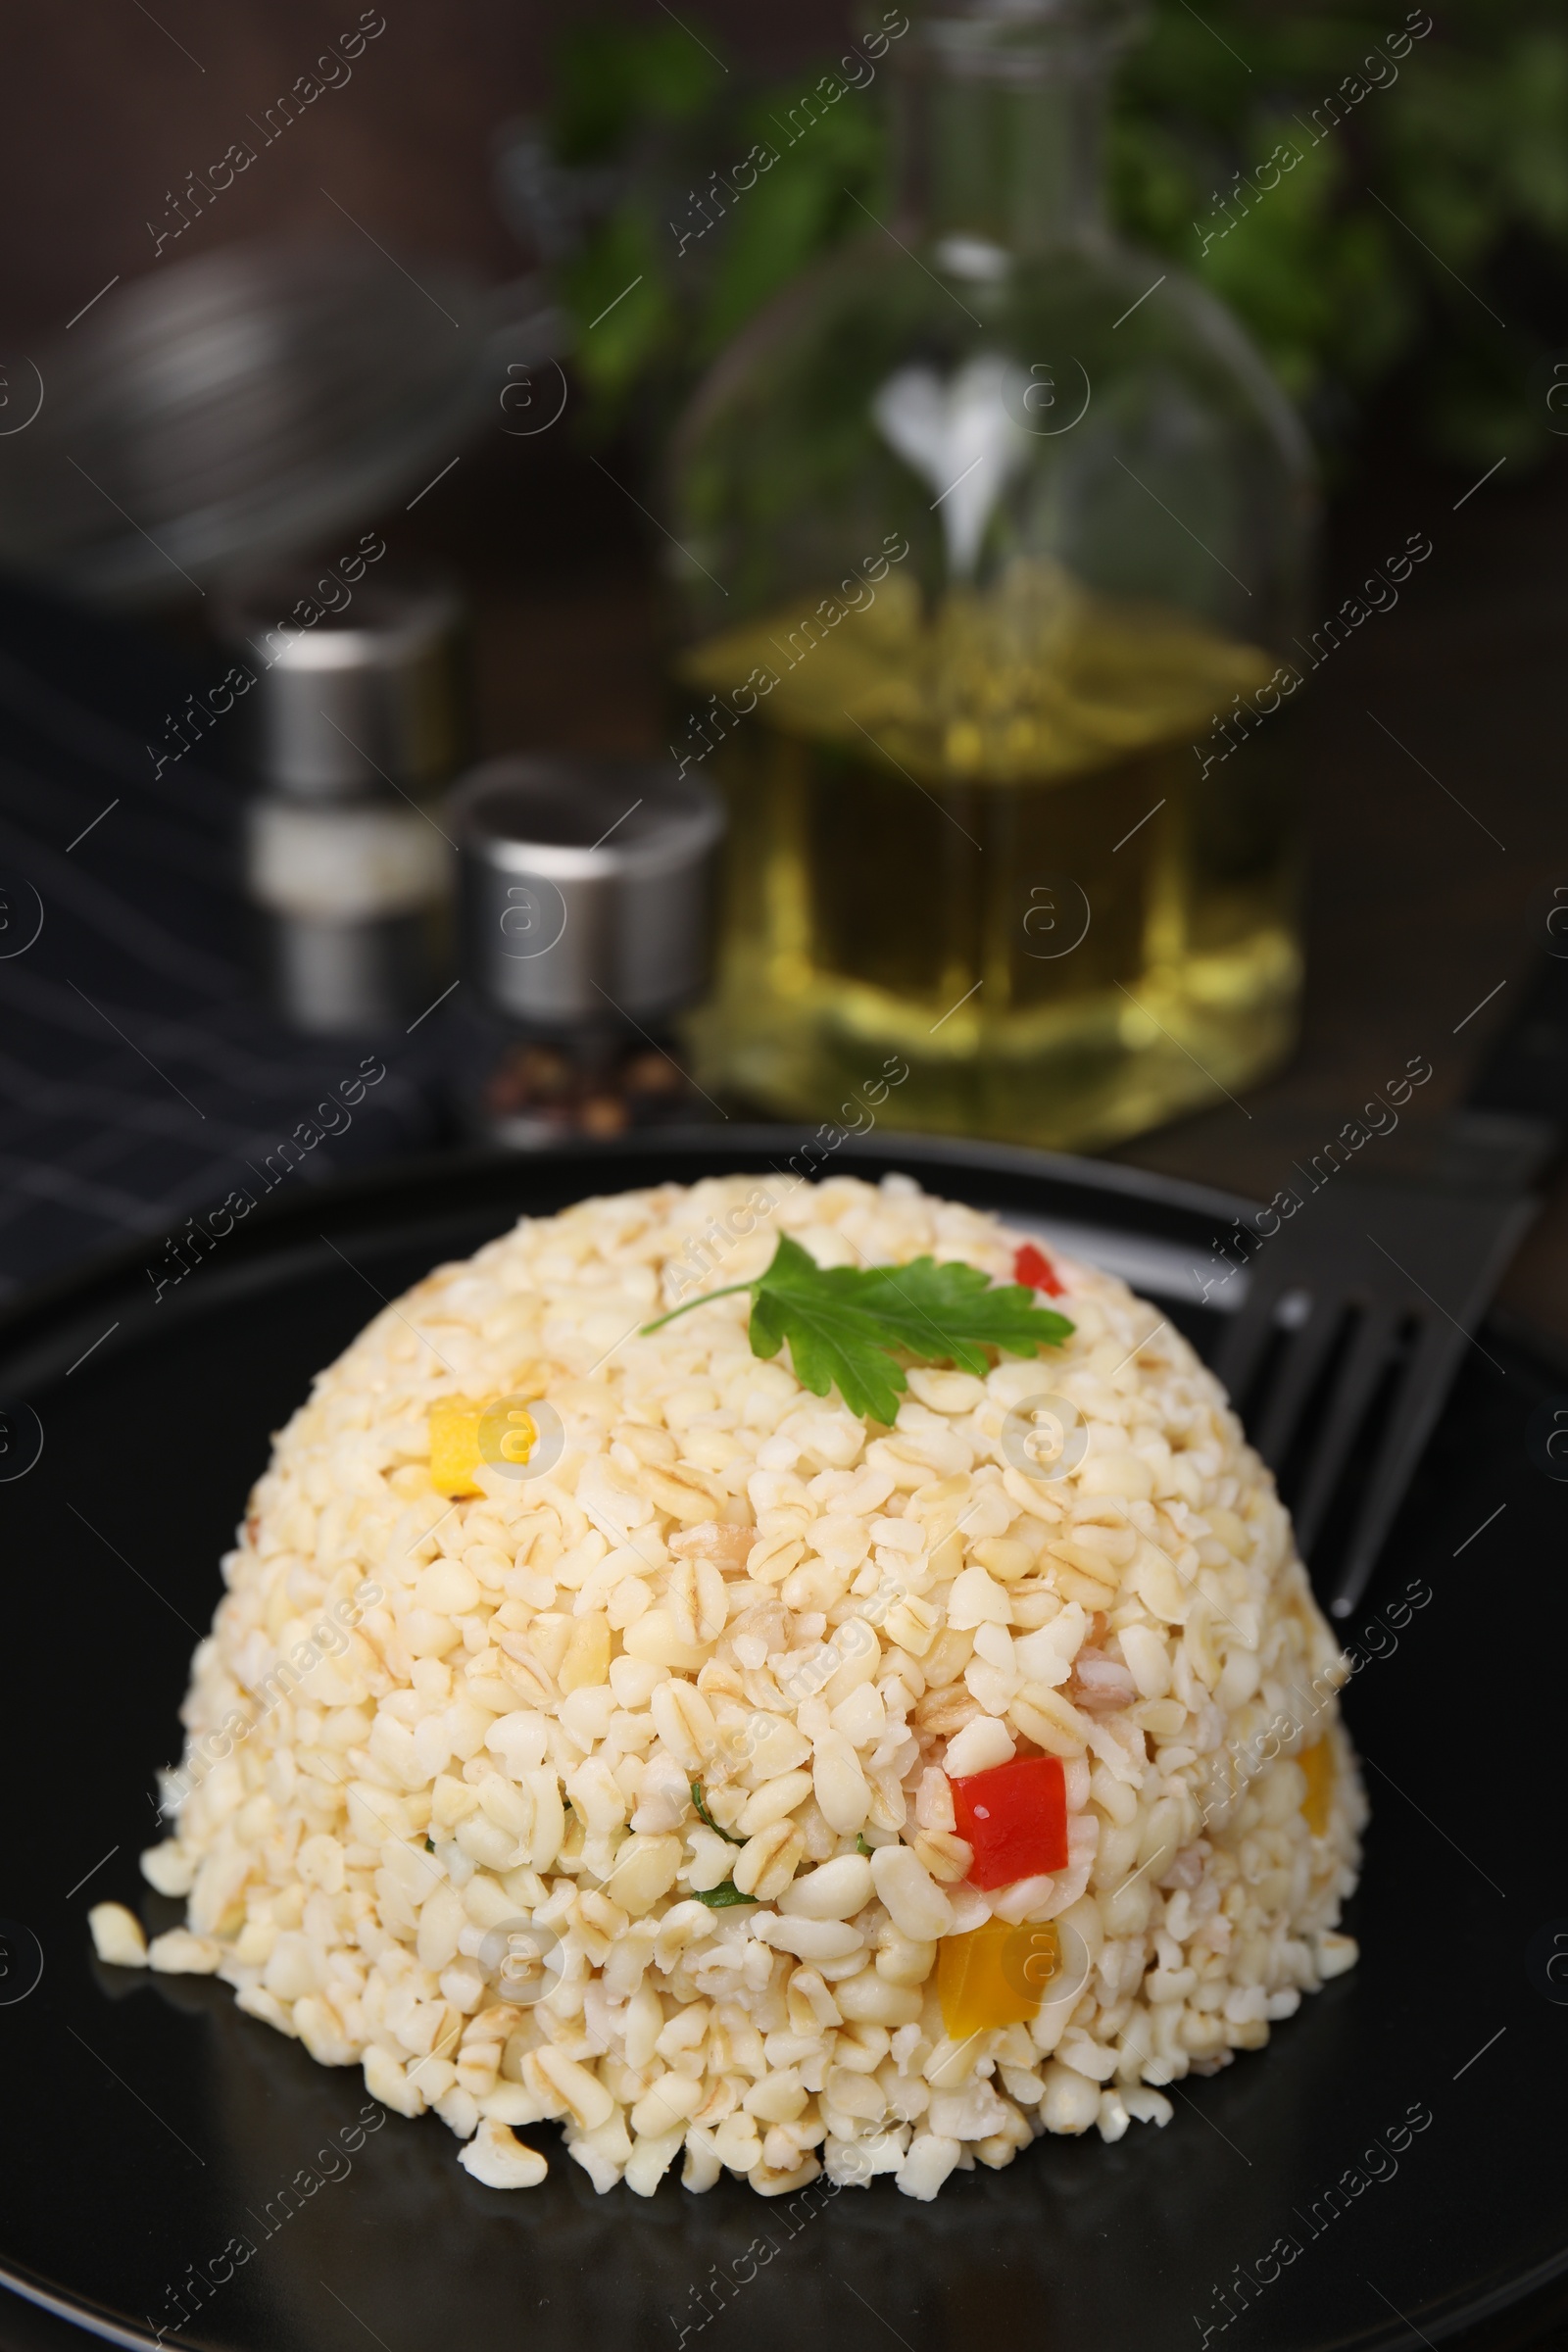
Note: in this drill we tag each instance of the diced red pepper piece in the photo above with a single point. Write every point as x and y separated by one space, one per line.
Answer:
1035 1271
1015 1818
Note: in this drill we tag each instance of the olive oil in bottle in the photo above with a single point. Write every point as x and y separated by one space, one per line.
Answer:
985 842
991 535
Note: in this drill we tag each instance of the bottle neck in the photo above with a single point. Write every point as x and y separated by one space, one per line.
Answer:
1003 142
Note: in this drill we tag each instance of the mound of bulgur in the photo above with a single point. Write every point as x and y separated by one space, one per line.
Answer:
419 1721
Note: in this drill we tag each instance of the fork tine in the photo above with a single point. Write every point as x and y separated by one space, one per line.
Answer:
1416 1405
1240 1349
1353 1390
1449 1247
1304 1359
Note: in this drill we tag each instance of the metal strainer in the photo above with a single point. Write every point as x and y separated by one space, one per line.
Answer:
235 408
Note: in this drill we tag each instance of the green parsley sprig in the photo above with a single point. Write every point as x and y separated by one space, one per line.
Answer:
847 1325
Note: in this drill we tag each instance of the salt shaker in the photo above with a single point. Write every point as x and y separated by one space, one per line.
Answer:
586 894
357 718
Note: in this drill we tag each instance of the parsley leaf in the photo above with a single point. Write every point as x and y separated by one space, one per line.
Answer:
844 1323
699 1800
722 1896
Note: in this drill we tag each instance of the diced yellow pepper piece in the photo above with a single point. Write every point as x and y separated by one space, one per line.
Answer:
995 1976
464 1434
1317 1762
509 1431
455 1445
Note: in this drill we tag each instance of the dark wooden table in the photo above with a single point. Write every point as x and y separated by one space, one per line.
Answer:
1432 865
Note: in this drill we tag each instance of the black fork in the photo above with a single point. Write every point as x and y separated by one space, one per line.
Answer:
1363 1299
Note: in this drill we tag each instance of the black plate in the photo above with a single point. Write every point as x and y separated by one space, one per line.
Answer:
148 2124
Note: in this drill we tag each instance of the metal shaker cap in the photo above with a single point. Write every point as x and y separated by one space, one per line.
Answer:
586 888
370 692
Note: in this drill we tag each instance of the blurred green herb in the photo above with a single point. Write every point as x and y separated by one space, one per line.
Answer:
1418 246
722 1897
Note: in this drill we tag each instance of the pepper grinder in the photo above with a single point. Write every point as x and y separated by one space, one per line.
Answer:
586 893
358 717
